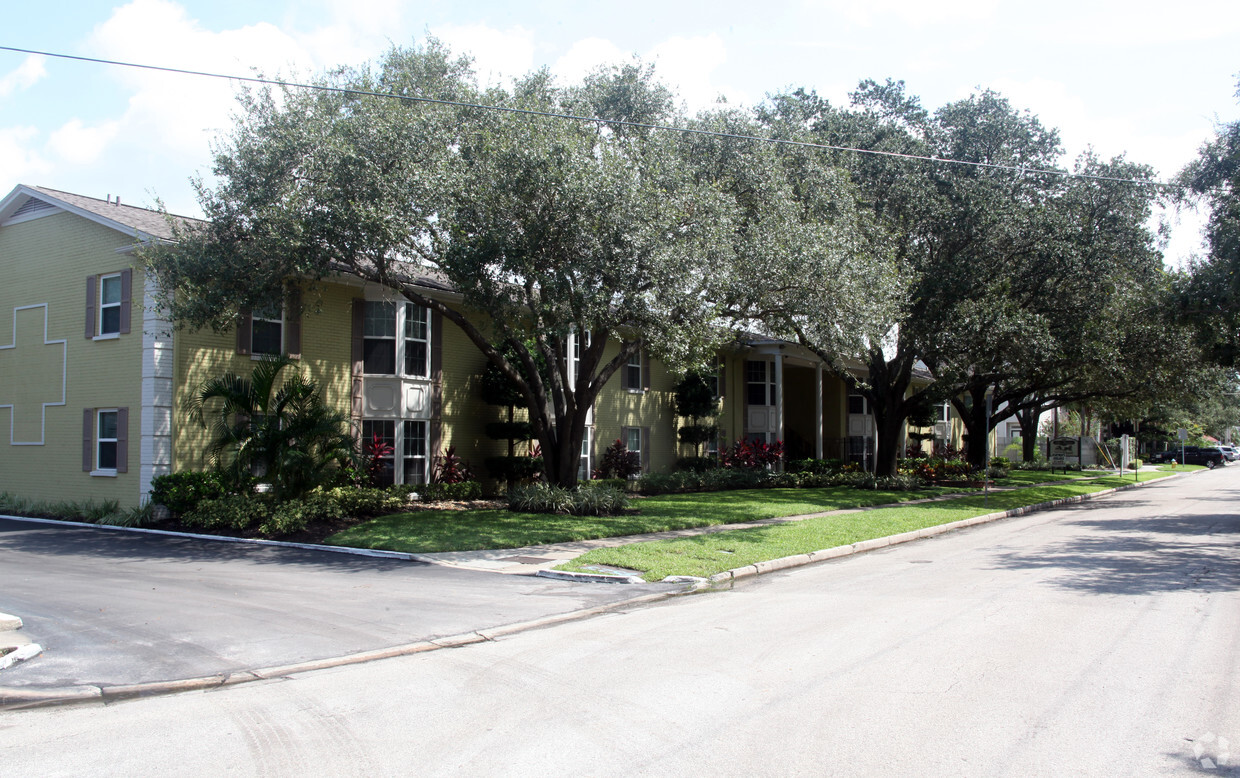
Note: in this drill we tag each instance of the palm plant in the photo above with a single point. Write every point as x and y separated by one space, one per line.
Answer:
282 432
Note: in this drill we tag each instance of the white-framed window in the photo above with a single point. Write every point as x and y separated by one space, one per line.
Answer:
944 413
760 386
107 441
857 405
576 342
413 452
583 468
417 356
379 446
398 450
633 372
383 353
267 331
109 305
633 440
379 338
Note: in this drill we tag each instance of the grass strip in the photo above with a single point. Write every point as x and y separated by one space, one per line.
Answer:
707 554
422 532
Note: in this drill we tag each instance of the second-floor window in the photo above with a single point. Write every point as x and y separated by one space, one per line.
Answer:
267 331
383 352
110 305
633 372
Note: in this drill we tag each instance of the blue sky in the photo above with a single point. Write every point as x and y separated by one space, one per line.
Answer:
1145 79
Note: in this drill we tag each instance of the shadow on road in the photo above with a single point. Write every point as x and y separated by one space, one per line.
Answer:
114 546
1141 555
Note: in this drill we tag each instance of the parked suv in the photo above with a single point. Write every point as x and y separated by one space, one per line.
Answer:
1230 452
1210 456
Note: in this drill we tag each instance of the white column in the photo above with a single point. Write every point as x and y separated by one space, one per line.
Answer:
818 411
155 414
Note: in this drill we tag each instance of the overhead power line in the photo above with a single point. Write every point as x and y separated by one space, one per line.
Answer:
1021 170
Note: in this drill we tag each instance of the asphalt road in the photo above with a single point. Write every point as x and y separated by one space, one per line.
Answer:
1101 639
114 608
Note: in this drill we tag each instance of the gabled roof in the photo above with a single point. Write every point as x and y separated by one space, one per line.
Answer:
143 223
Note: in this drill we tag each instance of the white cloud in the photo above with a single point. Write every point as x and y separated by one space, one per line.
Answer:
180 114
585 56
688 63
18 159
499 55
81 145
910 12
26 74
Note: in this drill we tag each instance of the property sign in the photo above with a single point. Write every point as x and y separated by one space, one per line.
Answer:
1064 447
1181 433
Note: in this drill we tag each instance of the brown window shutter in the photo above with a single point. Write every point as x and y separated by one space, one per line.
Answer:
645 387
88 440
434 444
122 440
126 299
92 297
245 324
358 355
436 364
292 323
645 449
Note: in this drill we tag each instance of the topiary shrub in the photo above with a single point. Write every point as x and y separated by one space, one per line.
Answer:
234 511
439 492
181 492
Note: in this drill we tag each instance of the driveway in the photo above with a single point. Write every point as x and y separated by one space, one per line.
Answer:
114 607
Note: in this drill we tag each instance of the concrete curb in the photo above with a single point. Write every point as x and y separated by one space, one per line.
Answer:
562 575
797 560
8 622
20 654
19 698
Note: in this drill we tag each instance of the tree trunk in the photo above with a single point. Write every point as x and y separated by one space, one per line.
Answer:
1028 433
977 425
887 429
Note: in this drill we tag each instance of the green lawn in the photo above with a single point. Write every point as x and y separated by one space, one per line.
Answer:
1028 477
429 531
704 555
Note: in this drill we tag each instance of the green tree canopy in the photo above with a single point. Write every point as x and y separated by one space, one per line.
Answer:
546 227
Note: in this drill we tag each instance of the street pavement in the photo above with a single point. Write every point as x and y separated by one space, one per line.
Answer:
1098 639
115 608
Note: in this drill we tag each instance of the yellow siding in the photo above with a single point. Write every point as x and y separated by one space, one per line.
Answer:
45 262
653 408
202 355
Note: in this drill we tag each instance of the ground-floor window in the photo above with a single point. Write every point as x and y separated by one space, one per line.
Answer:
106 442
413 449
388 443
583 468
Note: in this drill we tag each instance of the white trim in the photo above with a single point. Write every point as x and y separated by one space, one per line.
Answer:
100 304
27 217
155 413
127 230
64 377
103 473
108 336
